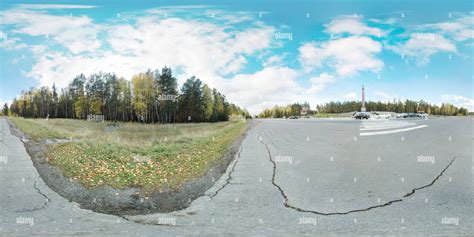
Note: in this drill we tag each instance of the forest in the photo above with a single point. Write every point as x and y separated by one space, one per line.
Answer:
408 106
149 97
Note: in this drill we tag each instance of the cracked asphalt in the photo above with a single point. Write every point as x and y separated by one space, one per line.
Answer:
311 176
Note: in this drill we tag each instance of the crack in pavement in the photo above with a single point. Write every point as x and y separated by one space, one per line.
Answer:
286 199
44 204
432 182
271 140
227 181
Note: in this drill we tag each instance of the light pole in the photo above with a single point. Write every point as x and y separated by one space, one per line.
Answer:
362 109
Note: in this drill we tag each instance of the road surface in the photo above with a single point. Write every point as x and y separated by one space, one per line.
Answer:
308 176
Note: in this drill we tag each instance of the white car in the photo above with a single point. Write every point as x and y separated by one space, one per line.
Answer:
362 115
378 115
402 115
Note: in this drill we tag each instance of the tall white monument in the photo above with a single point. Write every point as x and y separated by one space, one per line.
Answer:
363 100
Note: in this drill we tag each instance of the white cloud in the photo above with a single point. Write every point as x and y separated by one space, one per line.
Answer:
222 16
234 65
250 40
348 56
350 96
274 60
235 17
319 83
38 50
421 46
460 29
2 103
352 25
459 100
76 33
428 39
264 89
382 95
58 68
52 6
10 43
192 47
199 48
388 21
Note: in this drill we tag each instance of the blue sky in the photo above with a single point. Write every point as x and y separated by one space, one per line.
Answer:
259 54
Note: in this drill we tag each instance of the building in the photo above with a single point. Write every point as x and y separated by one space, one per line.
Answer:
304 111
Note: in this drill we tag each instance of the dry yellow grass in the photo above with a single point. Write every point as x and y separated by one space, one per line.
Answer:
126 134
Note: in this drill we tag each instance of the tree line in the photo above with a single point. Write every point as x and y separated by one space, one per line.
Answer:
408 106
294 109
150 97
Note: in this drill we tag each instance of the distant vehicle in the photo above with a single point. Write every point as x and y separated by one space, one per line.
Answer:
362 115
402 115
408 115
381 115
413 115
420 115
423 115
292 117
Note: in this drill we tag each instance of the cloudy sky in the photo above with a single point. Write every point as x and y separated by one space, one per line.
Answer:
258 54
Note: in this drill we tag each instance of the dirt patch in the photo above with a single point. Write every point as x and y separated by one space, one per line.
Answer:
128 201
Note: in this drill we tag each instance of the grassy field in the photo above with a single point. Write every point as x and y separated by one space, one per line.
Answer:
149 156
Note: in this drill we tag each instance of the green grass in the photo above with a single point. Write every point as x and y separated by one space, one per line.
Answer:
126 134
34 131
152 157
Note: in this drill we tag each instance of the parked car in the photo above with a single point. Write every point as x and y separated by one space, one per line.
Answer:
379 115
413 115
400 115
362 115
292 117
423 115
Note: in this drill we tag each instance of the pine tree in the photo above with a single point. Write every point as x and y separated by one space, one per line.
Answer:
5 110
208 103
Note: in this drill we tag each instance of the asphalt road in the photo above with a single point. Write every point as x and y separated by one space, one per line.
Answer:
319 177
